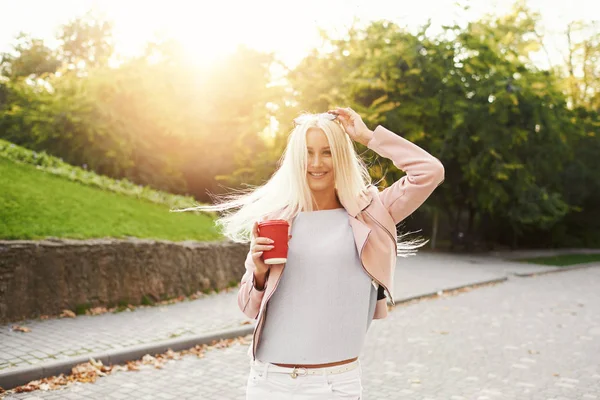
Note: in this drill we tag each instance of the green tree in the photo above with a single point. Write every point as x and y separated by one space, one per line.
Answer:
469 96
29 57
582 64
86 42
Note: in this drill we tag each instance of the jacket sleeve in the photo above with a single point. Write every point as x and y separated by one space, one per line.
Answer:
423 171
250 298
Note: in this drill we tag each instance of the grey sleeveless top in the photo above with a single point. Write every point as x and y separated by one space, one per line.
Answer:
325 301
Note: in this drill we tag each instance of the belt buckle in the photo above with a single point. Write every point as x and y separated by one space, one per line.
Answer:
294 373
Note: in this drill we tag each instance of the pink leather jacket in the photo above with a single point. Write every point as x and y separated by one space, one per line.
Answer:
373 223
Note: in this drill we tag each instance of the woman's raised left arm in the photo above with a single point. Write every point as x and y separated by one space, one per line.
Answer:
423 171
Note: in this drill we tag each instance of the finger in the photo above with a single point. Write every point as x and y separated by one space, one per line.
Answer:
351 114
263 247
346 124
343 119
338 110
261 243
264 240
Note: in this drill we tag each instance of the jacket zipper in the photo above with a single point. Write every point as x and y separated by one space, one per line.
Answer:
254 337
372 277
261 312
393 241
383 227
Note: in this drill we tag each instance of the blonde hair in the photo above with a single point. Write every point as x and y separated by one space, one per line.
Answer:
287 192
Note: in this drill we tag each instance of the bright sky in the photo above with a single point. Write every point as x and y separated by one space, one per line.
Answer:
209 29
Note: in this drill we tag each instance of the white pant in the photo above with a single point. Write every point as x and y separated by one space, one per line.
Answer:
266 384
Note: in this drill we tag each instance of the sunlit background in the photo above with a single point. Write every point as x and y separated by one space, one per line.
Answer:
186 99
211 29
114 114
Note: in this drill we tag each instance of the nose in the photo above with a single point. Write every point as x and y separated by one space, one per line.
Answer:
315 160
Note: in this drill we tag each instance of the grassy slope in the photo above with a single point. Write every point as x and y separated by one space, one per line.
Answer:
34 205
564 259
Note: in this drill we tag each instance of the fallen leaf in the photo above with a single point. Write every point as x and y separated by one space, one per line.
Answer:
96 311
90 371
20 328
148 359
132 366
67 314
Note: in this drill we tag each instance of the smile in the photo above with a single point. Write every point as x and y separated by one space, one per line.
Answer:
317 176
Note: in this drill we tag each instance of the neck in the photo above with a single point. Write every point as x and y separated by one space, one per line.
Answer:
326 200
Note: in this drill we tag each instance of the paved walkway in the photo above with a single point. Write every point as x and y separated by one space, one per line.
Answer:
534 338
67 339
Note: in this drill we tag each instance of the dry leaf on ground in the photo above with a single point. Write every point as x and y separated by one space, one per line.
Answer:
67 314
20 328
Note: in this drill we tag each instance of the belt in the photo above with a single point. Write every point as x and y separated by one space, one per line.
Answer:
303 371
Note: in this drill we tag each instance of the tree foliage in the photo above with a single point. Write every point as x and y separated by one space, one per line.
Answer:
519 143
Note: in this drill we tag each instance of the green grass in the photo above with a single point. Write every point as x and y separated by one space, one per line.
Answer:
35 205
564 260
56 166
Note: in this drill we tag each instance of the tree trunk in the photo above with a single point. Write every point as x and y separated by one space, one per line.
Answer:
456 229
514 239
434 230
469 235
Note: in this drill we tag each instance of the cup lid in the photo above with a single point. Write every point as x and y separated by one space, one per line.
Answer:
273 222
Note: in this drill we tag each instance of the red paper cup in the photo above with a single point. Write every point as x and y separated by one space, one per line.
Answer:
276 230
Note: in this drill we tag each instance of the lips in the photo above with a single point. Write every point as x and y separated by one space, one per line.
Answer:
320 175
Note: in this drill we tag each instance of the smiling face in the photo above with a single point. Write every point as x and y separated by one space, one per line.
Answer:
319 161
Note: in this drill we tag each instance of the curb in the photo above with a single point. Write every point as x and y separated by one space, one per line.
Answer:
20 376
435 294
558 269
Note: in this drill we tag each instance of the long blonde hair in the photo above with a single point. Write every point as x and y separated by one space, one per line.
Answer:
287 192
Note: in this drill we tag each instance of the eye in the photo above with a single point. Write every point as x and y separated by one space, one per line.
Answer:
310 152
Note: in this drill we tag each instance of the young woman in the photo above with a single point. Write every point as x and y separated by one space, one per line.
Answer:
341 258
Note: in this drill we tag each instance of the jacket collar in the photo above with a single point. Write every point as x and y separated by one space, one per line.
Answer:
362 202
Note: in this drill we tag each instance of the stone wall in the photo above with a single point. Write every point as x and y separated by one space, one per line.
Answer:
47 276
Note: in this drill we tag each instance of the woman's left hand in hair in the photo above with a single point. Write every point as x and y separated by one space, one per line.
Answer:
353 124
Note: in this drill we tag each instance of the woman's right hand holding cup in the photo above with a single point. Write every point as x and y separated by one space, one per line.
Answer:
257 247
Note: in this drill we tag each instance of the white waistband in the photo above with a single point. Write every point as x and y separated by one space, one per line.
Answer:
300 371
